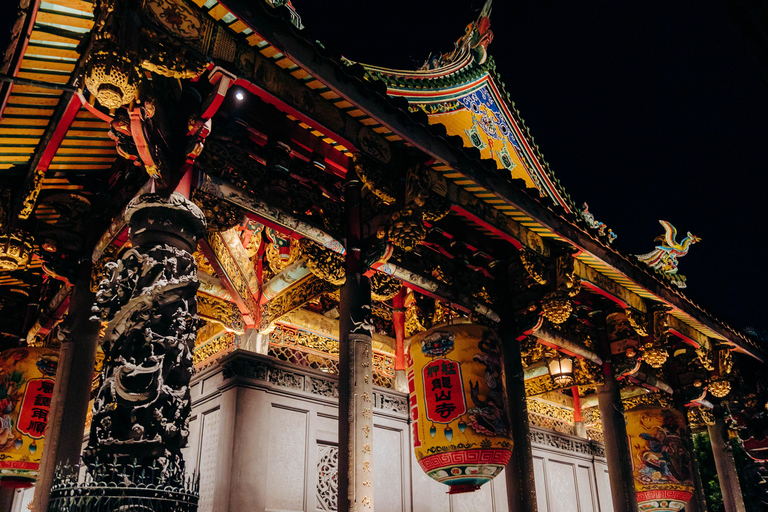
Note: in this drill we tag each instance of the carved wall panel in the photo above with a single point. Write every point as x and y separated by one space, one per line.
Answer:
208 453
327 477
387 469
287 454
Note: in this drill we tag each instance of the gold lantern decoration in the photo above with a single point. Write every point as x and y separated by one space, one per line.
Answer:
661 459
460 425
720 364
26 385
15 250
655 356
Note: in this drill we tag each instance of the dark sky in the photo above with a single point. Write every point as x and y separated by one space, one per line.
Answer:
646 110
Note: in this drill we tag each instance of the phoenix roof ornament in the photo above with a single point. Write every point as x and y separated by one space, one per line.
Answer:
664 258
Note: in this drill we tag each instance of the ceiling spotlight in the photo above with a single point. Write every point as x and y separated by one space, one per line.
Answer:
239 95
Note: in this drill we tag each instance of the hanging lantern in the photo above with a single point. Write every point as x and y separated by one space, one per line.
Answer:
458 405
561 370
661 460
655 356
721 366
26 387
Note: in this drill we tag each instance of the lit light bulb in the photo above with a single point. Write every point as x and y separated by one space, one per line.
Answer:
239 95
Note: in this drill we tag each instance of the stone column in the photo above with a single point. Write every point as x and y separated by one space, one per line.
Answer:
355 368
617 454
72 388
726 468
521 489
149 309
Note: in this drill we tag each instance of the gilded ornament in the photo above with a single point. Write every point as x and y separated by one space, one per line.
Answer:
556 307
100 269
375 178
655 356
384 287
111 77
719 388
15 250
203 265
406 229
323 263
657 399
280 259
637 321
220 215
534 264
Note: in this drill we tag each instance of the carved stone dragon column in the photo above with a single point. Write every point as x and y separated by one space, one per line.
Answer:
149 305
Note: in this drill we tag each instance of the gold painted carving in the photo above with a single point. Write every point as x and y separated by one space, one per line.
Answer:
637 321
222 312
203 265
384 287
534 264
375 177
220 215
700 417
230 268
99 269
294 297
15 250
556 306
550 410
276 263
324 263
31 193
406 229
657 399
219 346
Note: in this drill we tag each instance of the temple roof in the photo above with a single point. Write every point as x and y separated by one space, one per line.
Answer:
346 106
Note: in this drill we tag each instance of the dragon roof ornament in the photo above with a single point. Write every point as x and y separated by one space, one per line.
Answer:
664 258
477 36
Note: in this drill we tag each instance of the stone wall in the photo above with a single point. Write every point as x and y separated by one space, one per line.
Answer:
263 437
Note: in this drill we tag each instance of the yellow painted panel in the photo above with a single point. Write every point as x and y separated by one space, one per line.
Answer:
254 39
38 35
67 158
90 124
25 122
79 5
35 90
44 77
17 149
218 12
300 74
343 104
19 131
463 122
315 84
286 63
18 141
56 65
84 167
47 101
19 111
238 26
66 53
89 143
63 19
330 95
269 51
80 133
13 158
90 151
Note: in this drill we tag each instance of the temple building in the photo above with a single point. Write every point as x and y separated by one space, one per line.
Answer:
239 272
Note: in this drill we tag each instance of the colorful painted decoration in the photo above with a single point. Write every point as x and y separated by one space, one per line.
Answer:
661 462
664 257
26 387
458 406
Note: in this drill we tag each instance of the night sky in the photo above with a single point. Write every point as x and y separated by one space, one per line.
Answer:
651 112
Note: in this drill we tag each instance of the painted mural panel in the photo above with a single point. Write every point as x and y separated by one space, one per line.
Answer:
661 462
26 388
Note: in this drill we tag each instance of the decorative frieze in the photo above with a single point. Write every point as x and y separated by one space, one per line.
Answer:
316 385
571 444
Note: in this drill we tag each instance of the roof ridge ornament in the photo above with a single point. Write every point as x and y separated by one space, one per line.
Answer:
664 258
477 36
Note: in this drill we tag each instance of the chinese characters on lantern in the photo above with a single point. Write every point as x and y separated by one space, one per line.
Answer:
33 416
443 391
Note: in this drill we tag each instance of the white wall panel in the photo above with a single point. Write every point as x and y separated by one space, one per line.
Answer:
287 460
